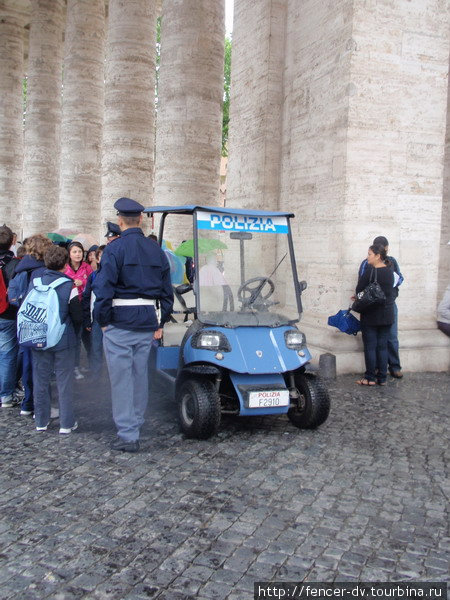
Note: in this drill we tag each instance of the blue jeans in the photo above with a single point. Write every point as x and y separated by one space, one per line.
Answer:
8 357
27 379
375 339
393 355
62 362
96 353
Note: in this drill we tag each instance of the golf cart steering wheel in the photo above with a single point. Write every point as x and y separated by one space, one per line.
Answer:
247 287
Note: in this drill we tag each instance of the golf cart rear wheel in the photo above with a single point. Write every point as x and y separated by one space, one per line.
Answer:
313 404
199 408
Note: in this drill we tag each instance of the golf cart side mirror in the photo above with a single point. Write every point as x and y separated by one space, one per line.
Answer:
183 288
302 285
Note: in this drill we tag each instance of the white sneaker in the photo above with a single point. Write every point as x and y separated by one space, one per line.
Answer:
69 429
26 412
77 373
42 428
7 402
54 412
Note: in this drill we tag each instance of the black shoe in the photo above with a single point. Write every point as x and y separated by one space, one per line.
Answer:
124 446
396 374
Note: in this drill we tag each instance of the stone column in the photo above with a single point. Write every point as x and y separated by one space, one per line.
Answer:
129 126
257 63
11 118
317 84
188 140
82 116
363 148
43 117
256 103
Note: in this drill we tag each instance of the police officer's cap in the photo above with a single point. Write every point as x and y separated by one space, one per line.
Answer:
113 230
127 207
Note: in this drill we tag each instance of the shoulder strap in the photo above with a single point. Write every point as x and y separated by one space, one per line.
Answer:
10 268
44 287
57 282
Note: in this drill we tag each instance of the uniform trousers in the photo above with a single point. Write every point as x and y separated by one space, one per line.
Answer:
127 355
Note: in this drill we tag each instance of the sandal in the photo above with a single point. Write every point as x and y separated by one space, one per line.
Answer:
365 381
381 382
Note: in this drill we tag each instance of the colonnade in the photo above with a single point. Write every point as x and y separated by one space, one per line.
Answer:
89 132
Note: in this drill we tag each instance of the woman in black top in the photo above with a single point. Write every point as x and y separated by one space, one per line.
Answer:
377 319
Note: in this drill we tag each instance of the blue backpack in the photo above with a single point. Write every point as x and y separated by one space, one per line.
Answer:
38 321
17 289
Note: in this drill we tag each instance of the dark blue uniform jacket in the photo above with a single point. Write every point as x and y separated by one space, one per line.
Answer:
133 267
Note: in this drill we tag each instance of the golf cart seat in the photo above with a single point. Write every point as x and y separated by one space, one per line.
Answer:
183 303
174 333
182 315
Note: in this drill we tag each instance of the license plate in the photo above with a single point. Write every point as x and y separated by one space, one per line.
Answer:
268 398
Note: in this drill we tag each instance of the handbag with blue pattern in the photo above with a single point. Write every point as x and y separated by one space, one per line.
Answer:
345 322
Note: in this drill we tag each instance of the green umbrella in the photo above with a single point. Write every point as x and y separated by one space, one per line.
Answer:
205 245
57 237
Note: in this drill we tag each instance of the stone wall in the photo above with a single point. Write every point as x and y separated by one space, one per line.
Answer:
444 255
315 119
364 107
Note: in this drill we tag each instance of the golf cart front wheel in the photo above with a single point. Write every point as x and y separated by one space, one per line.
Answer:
199 408
313 402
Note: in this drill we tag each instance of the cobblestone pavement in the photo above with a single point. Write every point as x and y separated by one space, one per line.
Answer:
364 497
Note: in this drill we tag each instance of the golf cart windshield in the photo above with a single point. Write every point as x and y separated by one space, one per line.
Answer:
244 274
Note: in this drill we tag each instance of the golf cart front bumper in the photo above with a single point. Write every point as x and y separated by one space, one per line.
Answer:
255 359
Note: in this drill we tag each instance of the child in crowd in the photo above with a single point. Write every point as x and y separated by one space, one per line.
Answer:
61 357
8 317
32 264
79 271
91 257
90 324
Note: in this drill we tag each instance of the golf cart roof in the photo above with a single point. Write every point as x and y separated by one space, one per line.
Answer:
191 208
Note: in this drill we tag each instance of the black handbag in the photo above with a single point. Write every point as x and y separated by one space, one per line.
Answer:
369 296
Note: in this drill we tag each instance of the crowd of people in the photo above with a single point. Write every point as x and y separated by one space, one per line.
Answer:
39 258
40 279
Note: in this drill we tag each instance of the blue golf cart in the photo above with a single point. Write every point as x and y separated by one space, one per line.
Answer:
233 346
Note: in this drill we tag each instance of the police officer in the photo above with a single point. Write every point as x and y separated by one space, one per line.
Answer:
112 233
134 274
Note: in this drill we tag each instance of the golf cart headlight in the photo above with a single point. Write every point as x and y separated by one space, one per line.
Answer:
211 340
295 340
